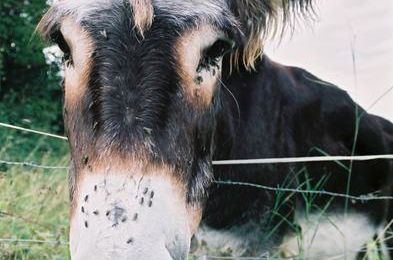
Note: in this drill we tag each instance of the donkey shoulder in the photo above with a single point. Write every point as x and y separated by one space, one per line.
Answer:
322 107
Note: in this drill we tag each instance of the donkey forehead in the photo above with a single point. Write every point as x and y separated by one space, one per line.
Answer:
191 8
178 11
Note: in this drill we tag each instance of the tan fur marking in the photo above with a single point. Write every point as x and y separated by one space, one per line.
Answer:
76 76
195 217
189 48
143 14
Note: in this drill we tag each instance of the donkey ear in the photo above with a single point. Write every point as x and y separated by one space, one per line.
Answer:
262 17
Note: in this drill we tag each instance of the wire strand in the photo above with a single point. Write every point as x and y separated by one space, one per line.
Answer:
304 159
34 165
31 241
247 161
363 198
32 131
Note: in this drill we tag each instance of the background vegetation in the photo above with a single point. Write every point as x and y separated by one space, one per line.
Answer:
33 202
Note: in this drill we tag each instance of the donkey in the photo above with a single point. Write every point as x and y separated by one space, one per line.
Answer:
155 90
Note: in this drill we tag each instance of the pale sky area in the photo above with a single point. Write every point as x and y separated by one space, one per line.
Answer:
324 48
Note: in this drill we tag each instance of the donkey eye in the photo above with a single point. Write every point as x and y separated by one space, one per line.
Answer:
219 48
58 38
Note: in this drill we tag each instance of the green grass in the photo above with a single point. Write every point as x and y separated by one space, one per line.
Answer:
33 203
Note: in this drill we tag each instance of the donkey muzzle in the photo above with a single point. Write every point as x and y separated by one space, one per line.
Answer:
129 217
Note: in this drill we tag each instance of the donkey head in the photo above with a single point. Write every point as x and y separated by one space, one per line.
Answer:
140 102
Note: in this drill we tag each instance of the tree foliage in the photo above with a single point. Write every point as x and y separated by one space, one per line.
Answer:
30 95
28 86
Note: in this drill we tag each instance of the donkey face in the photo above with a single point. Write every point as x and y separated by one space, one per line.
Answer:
140 100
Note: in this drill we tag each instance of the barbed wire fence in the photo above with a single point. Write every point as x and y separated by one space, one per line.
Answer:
362 198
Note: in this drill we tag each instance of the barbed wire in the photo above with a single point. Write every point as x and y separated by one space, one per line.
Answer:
363 198
31 241
33 165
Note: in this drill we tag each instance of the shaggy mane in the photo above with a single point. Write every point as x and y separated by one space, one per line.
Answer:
262 18
258 18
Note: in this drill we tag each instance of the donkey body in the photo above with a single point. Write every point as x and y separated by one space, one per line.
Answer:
286 111
154 91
